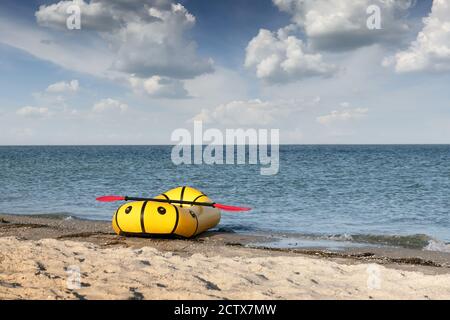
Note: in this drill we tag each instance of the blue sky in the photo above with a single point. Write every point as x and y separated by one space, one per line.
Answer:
137 70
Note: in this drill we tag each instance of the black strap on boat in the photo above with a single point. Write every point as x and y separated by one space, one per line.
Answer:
142 216
182 195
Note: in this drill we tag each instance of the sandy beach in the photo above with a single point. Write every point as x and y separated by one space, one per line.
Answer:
48 258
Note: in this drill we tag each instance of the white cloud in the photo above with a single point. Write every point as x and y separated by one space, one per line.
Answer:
343 115
146 38
342 24
159 87
102 15
94 58
95 15
431 50
109 105
280 57
160 48
32 112
63 87
247 113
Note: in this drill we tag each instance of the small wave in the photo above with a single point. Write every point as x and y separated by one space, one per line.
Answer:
414 186
338 237
57 216
435 245
415 241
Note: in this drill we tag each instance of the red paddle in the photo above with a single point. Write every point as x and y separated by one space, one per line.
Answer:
207 204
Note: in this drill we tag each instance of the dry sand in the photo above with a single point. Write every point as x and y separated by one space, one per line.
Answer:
40 259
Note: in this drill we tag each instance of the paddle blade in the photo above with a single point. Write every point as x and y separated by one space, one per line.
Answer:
110 198
230 208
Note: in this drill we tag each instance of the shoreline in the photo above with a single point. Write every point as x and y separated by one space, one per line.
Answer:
75 227
293 240
219 258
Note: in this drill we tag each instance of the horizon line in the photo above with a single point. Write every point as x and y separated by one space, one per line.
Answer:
281 144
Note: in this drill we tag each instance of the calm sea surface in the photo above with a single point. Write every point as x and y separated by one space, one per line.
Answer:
378 194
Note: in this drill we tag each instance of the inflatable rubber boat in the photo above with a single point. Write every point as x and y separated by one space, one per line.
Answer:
150 218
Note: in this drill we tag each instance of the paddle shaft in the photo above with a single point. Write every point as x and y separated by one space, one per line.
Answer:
207 204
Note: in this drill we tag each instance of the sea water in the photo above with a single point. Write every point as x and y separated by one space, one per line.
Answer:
382 194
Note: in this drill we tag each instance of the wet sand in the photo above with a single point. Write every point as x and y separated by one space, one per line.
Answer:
40 258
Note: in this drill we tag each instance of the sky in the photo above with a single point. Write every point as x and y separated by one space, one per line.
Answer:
320 71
